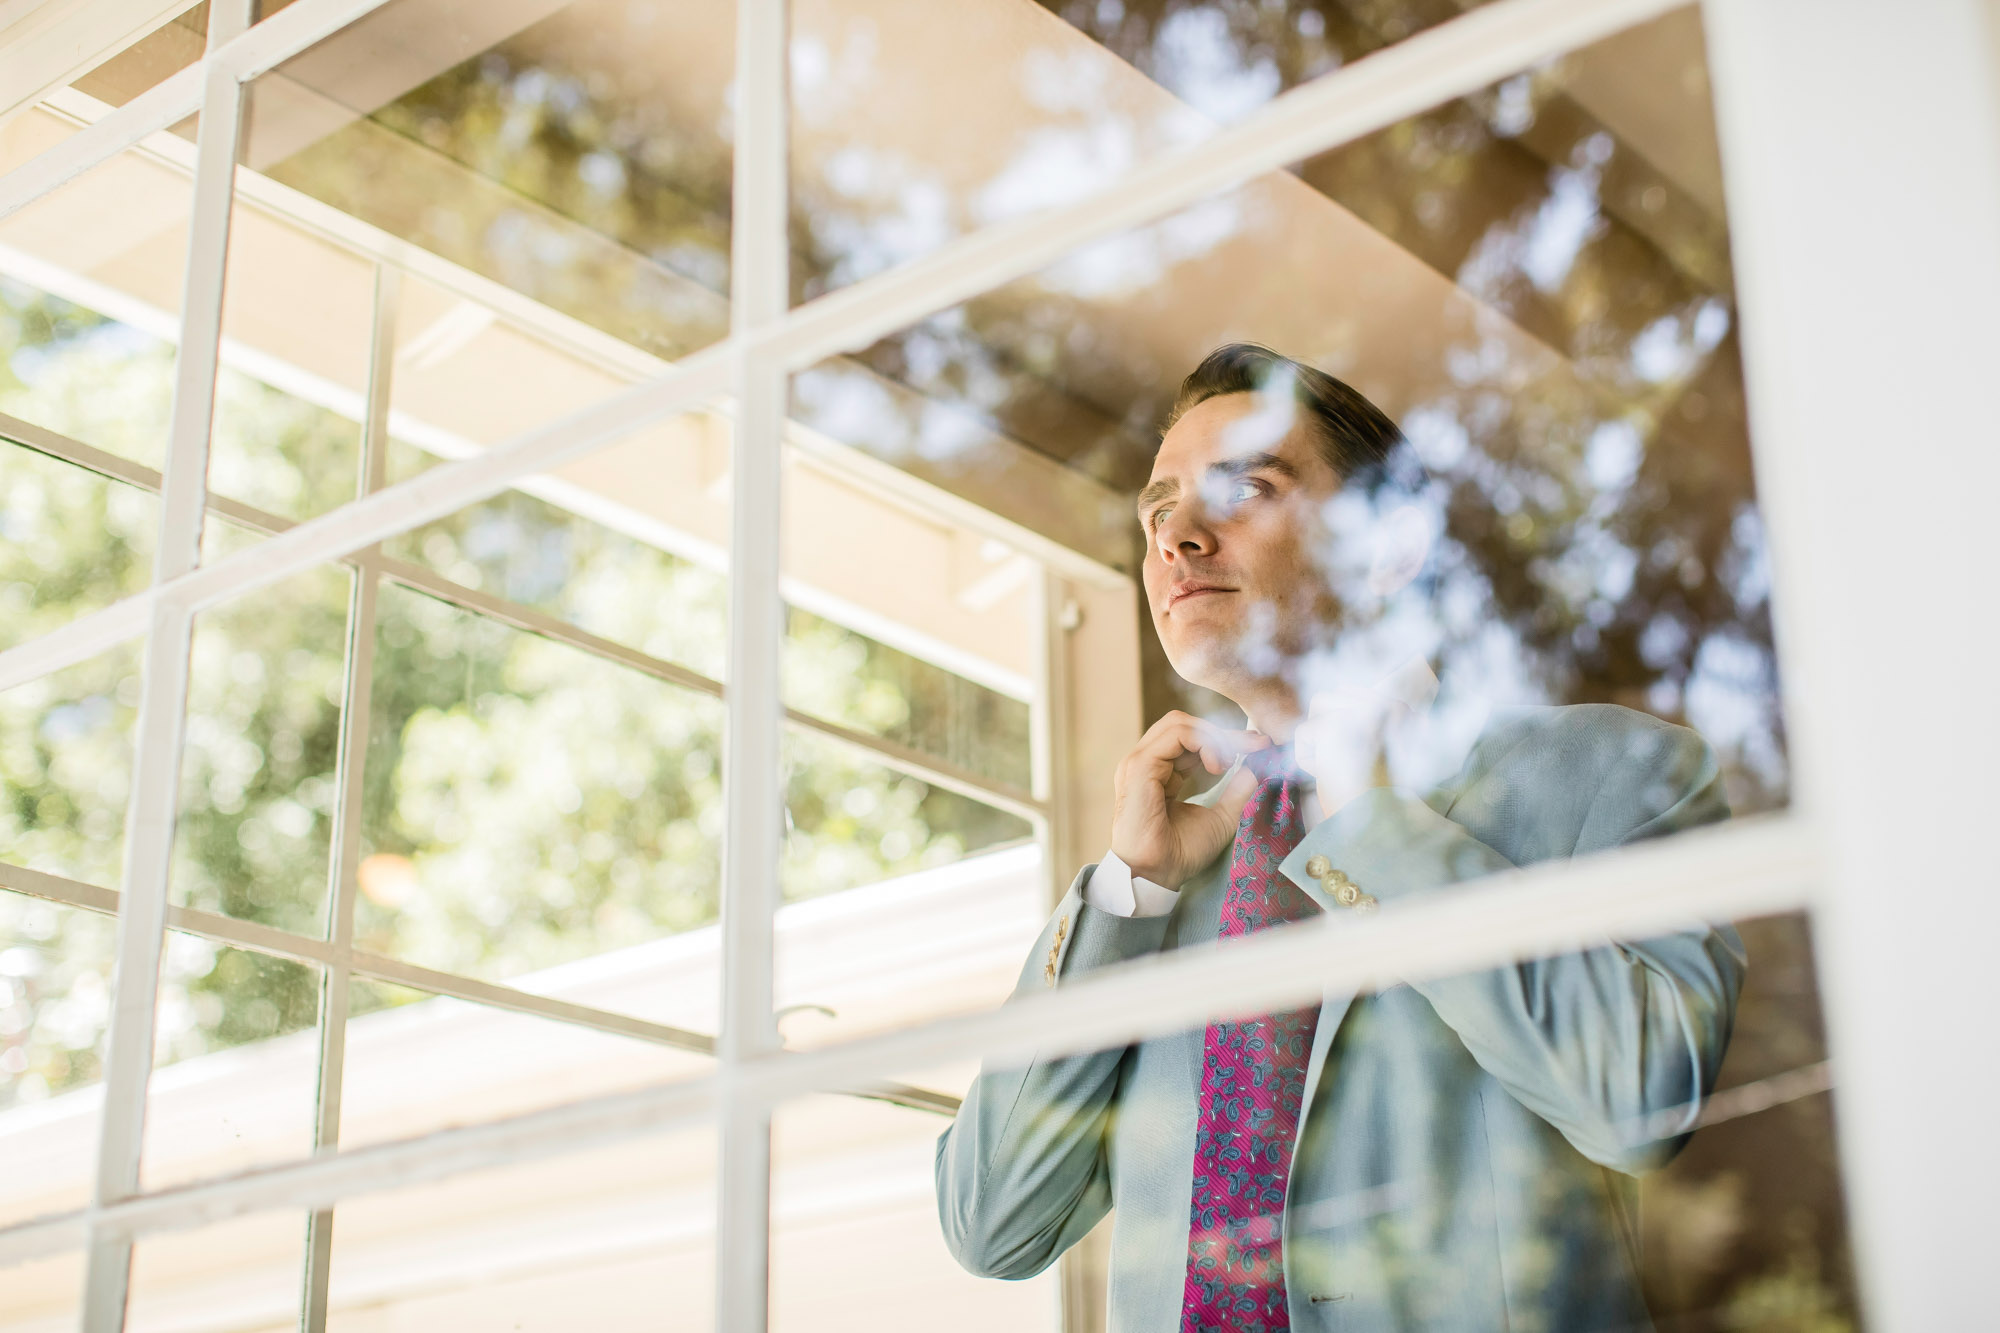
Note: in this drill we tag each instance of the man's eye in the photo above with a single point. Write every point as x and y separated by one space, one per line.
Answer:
1242 491
1158 516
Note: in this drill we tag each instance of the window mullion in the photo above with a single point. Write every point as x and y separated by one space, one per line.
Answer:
350 764
753 784
1862 225
149 823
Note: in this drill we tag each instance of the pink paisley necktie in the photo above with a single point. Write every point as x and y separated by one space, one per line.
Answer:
1253 1075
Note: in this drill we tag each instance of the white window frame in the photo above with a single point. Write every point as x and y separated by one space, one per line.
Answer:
1875 804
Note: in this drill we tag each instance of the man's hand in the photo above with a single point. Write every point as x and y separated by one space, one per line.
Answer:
1166 839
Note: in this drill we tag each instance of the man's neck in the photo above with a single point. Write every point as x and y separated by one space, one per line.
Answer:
1273 711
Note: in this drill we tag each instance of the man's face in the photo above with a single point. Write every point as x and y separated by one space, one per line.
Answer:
1232 519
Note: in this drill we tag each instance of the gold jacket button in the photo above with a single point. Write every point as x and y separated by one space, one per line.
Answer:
1318 867
1347 893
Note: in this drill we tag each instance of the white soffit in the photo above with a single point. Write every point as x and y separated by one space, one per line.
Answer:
44 44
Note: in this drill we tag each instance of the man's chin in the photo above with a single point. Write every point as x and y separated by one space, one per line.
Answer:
1211 661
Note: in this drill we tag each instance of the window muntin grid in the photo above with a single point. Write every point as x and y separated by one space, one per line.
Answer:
1771 861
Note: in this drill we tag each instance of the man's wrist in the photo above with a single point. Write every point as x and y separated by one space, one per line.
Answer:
1149 873
1113 887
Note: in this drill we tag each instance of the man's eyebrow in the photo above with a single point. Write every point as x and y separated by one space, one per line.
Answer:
1257 462
1164 489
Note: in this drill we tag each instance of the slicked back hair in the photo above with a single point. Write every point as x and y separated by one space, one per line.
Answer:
1357 439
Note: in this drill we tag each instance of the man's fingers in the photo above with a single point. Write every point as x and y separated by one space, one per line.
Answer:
1236 794
1176 732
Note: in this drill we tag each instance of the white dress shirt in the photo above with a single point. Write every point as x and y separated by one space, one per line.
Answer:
1113 888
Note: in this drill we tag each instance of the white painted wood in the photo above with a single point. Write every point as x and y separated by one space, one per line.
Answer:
1861 146
752 768
45 44
350 764
1745 868
156 769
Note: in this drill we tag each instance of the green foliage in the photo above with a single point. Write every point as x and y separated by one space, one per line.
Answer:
524 803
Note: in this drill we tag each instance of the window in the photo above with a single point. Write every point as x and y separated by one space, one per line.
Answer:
571 598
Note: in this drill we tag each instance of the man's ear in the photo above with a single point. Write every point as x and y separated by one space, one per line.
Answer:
1403 546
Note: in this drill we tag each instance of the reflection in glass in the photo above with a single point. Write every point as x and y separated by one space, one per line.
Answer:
90 293
576 154
1532 281
235 1061
257 774
1747 1227
526 803
248 1267
286 436
906 134
854 821
854 1233
626 544
46 1293
161 53
418 1062
65 759
55 1006
615 1238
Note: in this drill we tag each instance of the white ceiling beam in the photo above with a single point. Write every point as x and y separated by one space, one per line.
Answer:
46 44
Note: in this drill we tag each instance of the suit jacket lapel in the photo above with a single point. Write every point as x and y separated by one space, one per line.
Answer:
1334 1004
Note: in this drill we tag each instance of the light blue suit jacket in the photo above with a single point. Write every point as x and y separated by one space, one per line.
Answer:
1465 1157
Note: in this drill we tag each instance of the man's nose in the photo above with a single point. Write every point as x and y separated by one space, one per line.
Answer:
1183 533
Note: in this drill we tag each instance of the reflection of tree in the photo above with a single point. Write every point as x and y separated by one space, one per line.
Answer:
525 803
525 176
1604 540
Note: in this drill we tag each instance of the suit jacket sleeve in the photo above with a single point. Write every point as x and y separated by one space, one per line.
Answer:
1615 1046
1022 1173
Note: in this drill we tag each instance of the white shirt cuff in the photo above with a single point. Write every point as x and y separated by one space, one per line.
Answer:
1114 889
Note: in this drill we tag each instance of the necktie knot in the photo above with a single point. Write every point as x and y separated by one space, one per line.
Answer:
1274 763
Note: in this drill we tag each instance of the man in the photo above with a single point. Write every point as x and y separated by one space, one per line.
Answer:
1445 1154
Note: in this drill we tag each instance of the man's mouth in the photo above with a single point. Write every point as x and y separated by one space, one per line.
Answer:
1181 592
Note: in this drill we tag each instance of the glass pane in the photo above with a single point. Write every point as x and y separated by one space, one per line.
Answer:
244 1273
914 625
44 1293
292 394
627 543
71 541
257 773
163 52
907 900
906 622
90 295
1514 556
66 760
418 1062
1747 1227
855 1243
235 1062
529 805
465 378
1567 375
1447 1153
575 155
55 978
907 134
619 1238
